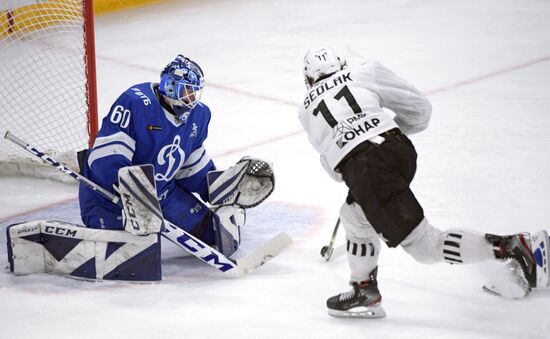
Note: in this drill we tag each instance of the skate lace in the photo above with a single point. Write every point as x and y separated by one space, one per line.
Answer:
347 295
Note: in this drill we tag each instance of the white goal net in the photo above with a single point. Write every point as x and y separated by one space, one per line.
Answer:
47 80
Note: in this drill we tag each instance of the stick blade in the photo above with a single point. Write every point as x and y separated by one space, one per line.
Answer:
264 253
328 253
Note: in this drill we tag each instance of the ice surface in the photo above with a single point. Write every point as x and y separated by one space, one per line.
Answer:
482 164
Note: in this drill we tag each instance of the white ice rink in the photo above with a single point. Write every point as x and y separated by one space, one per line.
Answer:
483 164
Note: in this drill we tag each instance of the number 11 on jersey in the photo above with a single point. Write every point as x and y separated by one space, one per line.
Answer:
325 112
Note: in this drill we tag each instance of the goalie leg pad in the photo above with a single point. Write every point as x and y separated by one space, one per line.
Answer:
228 221
67 249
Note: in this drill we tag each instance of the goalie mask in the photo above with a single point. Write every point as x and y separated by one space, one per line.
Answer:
320 63
181 84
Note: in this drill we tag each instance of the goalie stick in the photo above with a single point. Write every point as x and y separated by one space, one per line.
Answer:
178 236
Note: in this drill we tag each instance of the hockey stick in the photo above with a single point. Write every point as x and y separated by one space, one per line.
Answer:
178 236
326 251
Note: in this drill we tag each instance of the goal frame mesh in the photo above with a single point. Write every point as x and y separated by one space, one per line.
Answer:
48 72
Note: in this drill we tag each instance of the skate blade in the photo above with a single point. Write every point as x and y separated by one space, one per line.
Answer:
508 283
539 244
494 290
373 312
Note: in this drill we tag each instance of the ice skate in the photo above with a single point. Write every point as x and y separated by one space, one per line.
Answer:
525 270
508 283
363 301
517 248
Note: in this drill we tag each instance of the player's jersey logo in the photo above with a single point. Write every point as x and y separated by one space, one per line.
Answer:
195 131
170 157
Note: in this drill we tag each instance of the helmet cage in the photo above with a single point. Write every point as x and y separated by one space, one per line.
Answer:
189 92
181 84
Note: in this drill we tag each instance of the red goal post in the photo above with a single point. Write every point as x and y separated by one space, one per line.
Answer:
48 91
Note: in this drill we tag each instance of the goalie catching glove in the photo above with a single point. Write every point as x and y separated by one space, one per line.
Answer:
246 184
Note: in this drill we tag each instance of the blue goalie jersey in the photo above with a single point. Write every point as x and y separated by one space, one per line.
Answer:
138 130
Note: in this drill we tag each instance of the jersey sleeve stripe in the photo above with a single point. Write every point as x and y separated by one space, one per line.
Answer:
114 149
111 144
117 137
195 157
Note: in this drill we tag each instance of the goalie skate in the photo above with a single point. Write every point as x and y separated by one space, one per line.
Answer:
363 301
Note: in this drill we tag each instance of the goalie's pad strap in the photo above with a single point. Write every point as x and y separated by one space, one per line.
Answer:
67 249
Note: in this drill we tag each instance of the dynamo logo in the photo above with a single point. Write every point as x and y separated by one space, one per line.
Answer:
173 157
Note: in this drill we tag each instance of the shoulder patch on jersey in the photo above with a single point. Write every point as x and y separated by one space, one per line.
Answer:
194 131
145 99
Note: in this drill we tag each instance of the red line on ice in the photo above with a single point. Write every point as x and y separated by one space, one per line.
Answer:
37 209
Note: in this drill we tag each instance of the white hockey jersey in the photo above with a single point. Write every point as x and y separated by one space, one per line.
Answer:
345 109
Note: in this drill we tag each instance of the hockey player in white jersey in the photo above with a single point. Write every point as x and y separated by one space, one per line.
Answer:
358 120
